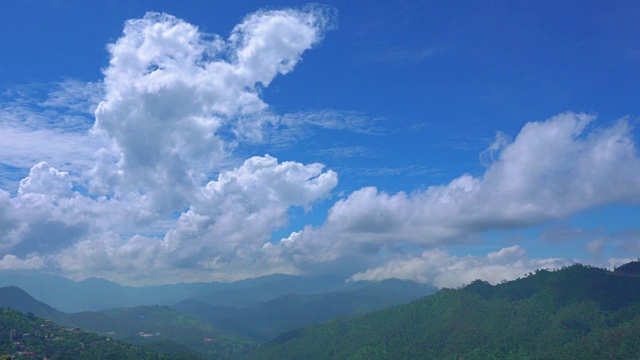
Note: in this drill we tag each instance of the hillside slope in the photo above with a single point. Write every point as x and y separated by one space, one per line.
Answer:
28 337
162 328
265 320
156 327
575 313
15 298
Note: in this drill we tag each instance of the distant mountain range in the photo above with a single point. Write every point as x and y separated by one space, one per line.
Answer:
211 330
265 320
578 312
98 294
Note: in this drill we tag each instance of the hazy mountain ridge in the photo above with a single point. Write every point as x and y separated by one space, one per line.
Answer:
267 319
95 294
68 295
229 330
15 298
577 312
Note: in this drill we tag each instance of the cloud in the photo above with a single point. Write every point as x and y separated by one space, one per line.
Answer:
398 55
437 267
11 262
552 169
411 170
171 91
625 241
258 193
282 130
223 230
489 155
345 152
44 179
49 125
75 96
147 188
22 146
595 247
563 233
151 191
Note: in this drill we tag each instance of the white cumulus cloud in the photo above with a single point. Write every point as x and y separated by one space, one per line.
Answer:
171 89
155 191
149 189
437 267
11 262
552 169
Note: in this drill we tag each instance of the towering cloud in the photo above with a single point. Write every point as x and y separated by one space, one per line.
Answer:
171 90
175 103
151 187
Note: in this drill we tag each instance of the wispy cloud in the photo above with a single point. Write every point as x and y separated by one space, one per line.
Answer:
564 233
398 55
288 129
409 170
49 124
346 152
75 95
22 147
336 120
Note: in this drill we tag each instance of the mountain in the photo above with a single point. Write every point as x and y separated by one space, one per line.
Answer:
159 328
162 328
265 320
230 329
242 328
98 294
71 296
578 312
15 298
29 336
240 293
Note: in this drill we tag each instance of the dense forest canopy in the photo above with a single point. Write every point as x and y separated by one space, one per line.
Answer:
578 312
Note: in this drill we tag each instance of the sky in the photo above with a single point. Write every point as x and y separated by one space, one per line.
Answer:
153 142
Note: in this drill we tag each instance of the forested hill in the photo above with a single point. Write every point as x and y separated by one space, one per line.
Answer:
577 312
26 336
158 328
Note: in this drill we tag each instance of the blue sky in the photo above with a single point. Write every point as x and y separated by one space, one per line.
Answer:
433 141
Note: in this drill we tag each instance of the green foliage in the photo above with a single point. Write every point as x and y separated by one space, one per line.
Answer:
578 312
156 327
24 335
163 329
265 320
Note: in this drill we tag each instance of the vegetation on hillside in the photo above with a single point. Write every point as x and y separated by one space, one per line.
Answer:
578 312
155 327
164 329
266 320
26 336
